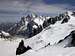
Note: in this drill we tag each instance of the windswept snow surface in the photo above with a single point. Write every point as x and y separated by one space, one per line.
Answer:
51 52
8 48
39 43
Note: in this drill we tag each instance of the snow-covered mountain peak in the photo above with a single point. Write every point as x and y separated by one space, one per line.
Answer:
72 18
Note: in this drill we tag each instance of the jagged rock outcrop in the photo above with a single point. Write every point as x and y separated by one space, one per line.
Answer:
73 38
21 48
65 18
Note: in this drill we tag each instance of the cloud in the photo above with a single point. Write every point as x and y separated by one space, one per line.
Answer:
71 2
38 6
44 8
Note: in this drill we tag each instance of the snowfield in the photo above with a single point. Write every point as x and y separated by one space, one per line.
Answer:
39 43
51 52
8 48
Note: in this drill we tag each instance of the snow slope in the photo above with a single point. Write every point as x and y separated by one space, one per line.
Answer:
51 52
8 48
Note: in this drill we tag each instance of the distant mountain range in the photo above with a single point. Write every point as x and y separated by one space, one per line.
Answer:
32 24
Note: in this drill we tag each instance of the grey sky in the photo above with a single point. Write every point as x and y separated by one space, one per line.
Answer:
22 6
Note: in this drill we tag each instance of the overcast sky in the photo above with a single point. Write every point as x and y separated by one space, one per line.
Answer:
17 8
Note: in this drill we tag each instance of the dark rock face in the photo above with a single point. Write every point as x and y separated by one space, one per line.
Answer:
47 44
6 26
53 20
65 20
73 38
60 41
73 13
21 48
61 16
46 23
29 28
71 35
33 31
40 28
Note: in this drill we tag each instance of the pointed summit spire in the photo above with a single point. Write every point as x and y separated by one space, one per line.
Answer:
31 13
28 18
34 15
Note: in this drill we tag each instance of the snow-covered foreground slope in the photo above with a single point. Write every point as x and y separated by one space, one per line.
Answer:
8 48
51 52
